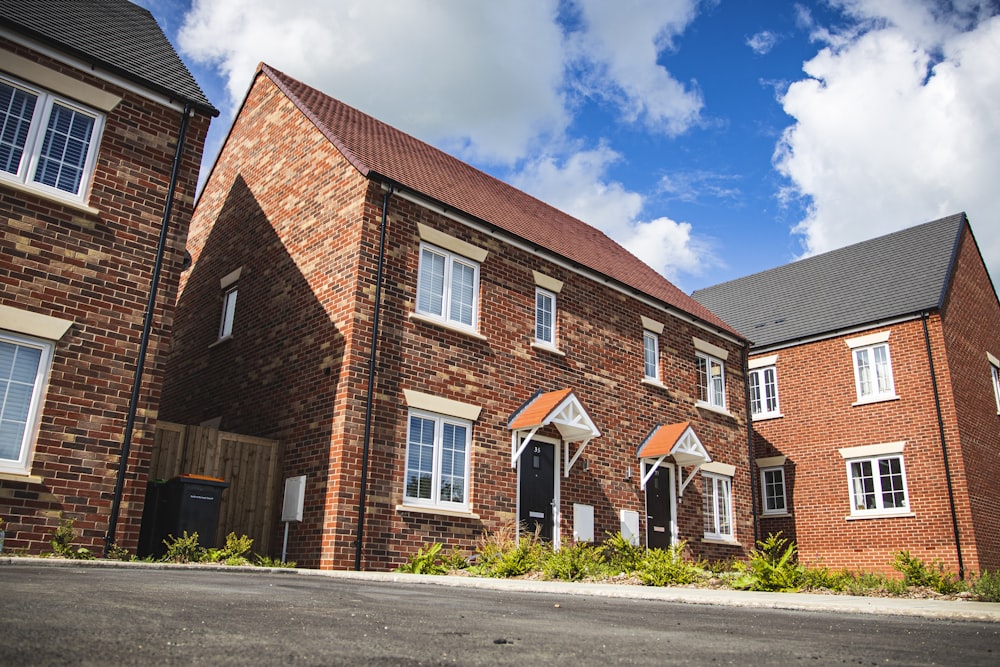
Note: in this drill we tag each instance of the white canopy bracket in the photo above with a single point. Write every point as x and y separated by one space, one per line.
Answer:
570 462
515 450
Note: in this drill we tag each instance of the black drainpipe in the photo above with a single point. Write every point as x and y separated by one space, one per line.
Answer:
369 405
944 449
147 325
753 473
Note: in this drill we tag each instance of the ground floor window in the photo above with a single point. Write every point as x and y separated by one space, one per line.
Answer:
437 461
772 481
717 503
24 366
877 484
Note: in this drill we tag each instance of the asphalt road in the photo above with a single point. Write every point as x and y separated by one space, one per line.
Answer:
137 616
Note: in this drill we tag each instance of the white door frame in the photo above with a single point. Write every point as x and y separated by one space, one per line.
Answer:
556 487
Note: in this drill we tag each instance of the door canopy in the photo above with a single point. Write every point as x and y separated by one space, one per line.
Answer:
677 440
560 408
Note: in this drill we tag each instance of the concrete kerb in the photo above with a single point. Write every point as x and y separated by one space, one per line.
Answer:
926 608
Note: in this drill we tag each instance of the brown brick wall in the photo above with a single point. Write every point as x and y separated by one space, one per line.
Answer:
285 206
971 326
95 269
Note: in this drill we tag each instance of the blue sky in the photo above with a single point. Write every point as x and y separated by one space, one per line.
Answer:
712 138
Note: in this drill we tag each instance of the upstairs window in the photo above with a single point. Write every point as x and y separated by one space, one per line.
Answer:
447 287
711 381
872 367
764 393
995 378
545 317
651 355
229 284
46 142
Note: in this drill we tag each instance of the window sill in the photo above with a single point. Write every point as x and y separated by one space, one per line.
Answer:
720 540
775 515
879 399
765 417
417 317
653 382
20 477
879 515
712 408
48 196
421 509
543 347
222 340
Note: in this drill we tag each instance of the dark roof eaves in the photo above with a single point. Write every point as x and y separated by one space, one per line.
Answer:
842 331
200 105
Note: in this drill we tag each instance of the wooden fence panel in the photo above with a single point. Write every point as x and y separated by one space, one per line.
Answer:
252 466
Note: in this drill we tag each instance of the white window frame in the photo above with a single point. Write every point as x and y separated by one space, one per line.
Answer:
22 464
650 348
444 314
543 297
28 165
763 393
439 422
883 386
995 378
228 311
718 495
854 488
766 497
708 394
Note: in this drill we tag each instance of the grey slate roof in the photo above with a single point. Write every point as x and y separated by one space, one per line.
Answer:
898 274
115 35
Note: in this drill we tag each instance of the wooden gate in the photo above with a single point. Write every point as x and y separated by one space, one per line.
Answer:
252 466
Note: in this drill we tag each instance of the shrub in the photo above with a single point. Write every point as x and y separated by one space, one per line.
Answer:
573 563
62 543
620 555
916 573
184 549
455 559
234 553
425 561
771 567
503 553
268 561
821 578
662 567
986 587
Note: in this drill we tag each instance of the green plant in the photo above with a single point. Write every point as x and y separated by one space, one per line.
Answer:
117 552
573 563
620 555
662 567
425 561
772 566
455 559
916 573
62 543
184 549
233 553
986 587
820 578
268 561
505 553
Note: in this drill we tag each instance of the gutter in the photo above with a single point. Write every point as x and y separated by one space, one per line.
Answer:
944 449
370 401
147 325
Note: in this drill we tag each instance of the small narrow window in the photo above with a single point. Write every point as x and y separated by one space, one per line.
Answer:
772 481
995 379
764 393
545 317
651 355
873 373
717 503
711 381
228 312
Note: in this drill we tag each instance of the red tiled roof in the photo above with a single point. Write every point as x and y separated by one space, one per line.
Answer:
662 440
538 409
376 148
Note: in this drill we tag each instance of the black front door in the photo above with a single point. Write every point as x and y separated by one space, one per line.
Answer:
537 477
658 509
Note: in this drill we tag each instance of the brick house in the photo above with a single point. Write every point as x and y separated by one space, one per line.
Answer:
526 367
875 399
93 105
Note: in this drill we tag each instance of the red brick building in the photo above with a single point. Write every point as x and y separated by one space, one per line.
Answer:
875 399
441 354
93 104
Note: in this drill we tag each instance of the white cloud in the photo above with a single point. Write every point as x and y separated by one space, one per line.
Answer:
762 42
580 186
480 79
897 125
619 48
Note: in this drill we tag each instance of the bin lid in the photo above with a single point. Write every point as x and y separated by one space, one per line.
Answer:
200 478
